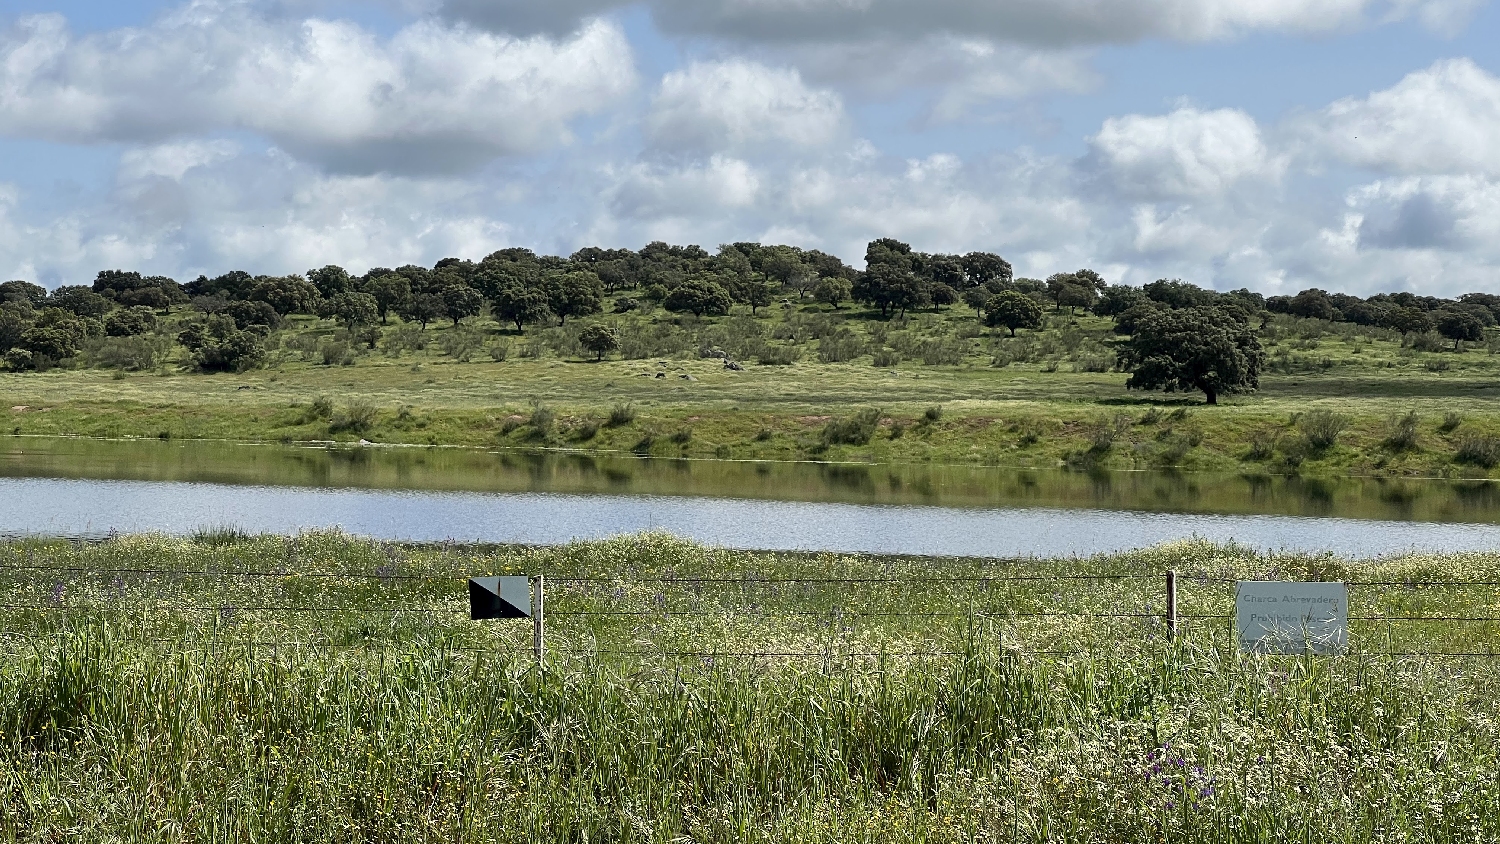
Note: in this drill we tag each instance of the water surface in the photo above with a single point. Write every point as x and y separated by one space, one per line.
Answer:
93 488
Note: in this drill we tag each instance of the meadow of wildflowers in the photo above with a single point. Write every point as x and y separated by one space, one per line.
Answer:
327 688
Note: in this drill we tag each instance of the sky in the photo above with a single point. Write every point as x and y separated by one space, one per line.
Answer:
1352 145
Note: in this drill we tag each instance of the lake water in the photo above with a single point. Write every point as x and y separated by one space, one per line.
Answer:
76 487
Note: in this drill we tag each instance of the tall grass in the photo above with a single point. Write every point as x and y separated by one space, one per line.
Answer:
168 707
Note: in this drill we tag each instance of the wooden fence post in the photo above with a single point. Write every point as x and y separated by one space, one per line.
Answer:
538 594
1172 603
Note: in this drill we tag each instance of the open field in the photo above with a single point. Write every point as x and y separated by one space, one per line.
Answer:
324 688
1019 415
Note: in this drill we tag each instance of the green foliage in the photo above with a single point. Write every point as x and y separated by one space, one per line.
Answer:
1012 310
460 343
128 322
1194 348
856 429
134 353
1320 428
542 420
1450 422
291 294
832 291
1402 431
356 417
698 296
390 292
1479 450
621 415
354 309
218 345
599 340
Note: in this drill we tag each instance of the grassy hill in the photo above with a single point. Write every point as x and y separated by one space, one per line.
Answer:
930 386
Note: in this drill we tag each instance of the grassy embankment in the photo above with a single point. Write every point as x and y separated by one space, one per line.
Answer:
180 708
1045 406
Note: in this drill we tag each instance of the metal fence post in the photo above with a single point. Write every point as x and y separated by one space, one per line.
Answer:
1172 603
538 593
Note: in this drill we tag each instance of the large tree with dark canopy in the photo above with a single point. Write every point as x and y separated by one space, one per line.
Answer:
1012 310
1459 325
700 296
1193 348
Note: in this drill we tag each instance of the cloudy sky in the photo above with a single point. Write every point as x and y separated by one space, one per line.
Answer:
1275 144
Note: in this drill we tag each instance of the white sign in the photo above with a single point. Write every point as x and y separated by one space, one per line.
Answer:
1292 618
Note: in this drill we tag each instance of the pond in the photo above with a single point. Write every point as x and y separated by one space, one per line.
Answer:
78 487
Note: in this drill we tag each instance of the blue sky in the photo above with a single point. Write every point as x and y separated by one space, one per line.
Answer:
1271 144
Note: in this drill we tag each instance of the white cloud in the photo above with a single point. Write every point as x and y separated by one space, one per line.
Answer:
740 104
965 73
432 98
1187 153
1444 119
172 160
722 183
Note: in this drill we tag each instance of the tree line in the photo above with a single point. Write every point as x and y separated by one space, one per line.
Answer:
236 311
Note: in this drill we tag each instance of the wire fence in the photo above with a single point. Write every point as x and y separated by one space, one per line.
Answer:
1166 614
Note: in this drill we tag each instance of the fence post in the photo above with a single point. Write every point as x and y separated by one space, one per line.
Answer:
1172 603
538 593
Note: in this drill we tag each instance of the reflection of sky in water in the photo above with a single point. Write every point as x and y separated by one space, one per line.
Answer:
80 507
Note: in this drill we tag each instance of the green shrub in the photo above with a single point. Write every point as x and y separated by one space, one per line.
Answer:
840 347
857 429
621 415
1478 450
542 420
357 417
1401 432
1321 428
1450 422
772 355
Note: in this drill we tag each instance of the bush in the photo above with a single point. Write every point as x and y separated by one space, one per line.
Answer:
770 355
134 353
336 352
857 429
460 343
499 350
1262 445
1401 432
932 414
943 351
357 417
682 436
542 419
407 338
1478 450
840 347
586 430
1450 423
321 408
1321 428
621 415
885 358
235 351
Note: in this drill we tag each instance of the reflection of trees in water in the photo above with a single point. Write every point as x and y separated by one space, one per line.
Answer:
1477 495
1398 495
848 478
1315 494
584 464
1262 488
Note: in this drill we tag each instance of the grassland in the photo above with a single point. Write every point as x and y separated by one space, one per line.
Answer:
1041 408
339 693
